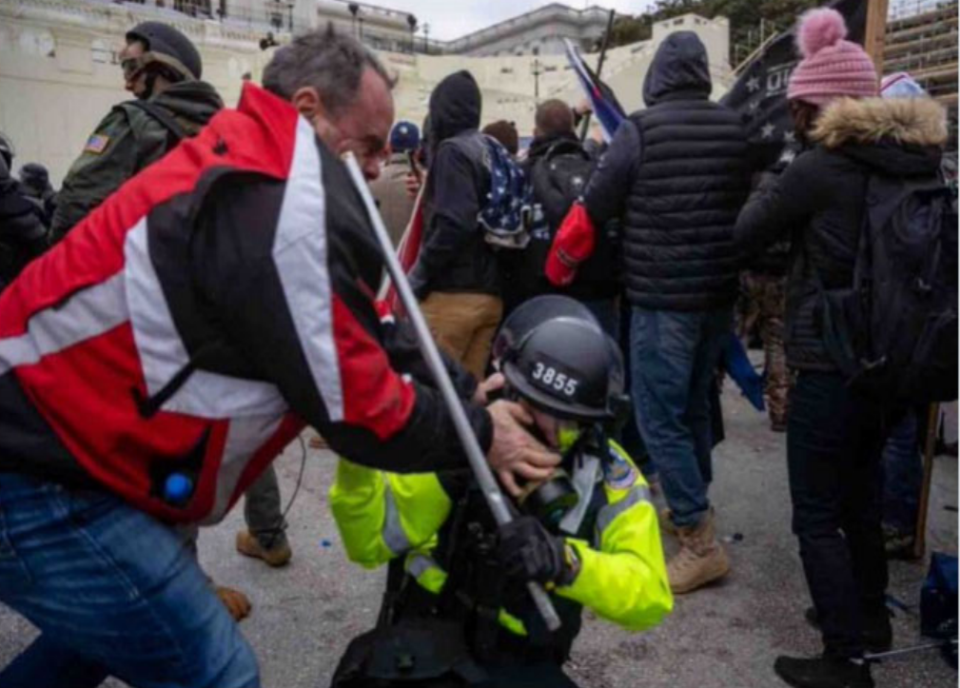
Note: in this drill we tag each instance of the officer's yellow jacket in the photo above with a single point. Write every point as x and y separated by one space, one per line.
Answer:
622 576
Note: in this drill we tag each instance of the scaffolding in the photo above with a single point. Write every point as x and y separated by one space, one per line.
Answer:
921 39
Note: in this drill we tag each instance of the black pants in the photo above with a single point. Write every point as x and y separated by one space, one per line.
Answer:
834 440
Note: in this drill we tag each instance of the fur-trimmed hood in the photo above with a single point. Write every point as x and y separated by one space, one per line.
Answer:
902 135
910 121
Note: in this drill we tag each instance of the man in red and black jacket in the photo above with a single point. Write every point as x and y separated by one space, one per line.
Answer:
158 359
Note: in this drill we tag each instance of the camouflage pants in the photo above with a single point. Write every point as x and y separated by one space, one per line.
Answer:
765 298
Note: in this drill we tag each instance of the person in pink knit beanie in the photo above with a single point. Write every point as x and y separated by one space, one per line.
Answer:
832 67
860 152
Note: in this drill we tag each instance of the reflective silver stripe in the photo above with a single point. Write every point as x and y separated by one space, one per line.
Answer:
163 354
419 564
393 533
87 313
637 494
300 255
244 437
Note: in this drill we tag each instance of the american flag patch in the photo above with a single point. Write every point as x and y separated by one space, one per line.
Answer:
96 144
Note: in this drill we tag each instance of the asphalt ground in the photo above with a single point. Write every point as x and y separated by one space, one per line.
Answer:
724 636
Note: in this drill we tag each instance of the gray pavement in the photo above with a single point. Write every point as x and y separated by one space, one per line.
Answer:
725 636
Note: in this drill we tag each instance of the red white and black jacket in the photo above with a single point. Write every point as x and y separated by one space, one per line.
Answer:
198 317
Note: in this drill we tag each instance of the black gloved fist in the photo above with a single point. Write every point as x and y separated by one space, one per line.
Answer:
529 552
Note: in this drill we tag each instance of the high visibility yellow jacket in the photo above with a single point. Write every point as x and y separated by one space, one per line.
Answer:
622 576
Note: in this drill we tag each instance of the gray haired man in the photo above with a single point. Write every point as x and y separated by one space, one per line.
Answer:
224 299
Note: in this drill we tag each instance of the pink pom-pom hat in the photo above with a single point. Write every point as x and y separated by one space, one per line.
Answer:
832 67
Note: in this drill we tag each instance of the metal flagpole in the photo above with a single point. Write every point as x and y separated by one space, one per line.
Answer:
600 60
488 485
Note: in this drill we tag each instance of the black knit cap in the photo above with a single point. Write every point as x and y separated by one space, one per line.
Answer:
166 40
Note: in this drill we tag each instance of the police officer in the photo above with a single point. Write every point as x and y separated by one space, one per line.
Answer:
162 69
459 614
23 234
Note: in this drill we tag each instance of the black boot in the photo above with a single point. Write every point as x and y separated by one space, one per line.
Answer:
823 672
877 632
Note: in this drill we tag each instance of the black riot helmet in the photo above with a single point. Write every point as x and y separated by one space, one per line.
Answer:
169 46
554 354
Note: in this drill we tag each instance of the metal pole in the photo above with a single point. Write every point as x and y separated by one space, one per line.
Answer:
929 446
478 463
603 56
871 657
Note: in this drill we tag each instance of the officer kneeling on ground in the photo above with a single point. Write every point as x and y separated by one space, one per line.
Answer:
456 610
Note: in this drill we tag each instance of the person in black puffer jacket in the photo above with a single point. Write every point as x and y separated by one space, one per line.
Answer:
834 435
677 174
456 275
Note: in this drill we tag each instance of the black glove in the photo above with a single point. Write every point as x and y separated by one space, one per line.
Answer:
529 552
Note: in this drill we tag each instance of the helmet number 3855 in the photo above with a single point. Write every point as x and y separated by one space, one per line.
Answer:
549 376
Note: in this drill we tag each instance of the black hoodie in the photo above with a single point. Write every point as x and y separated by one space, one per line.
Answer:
677 173
454 257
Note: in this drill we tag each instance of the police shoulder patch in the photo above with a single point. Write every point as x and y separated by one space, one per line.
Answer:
618 472
96 144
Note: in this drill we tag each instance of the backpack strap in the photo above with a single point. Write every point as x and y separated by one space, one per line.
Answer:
175 132
566 147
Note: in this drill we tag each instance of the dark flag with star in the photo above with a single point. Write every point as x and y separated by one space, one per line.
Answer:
760 92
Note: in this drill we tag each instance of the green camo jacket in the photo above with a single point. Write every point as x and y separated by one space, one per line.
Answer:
126 141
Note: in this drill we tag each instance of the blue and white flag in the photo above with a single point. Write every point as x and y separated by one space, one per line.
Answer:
605 106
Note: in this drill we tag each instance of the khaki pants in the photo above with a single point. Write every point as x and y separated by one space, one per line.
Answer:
463 326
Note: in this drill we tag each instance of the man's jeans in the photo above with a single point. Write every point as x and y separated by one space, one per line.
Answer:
834 439
673 360
902 475
113 592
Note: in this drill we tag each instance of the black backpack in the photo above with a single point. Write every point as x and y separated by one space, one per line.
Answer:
557 180
894 333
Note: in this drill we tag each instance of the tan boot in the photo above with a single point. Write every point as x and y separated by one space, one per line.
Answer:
235 601
666 521
701 558
276 556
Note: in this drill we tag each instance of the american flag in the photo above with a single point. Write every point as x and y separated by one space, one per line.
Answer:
604 103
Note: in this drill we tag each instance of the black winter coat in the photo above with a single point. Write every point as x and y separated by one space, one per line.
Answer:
678 174
819 203
454 256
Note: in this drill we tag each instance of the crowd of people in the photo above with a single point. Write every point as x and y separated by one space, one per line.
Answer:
205 284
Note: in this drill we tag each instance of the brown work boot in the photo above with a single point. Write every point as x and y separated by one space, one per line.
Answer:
701 558
276 556
666 521
235 601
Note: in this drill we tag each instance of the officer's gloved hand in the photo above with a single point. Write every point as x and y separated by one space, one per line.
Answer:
529 552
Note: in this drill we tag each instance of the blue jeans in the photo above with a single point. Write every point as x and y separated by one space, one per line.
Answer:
113 592
674 359
902 475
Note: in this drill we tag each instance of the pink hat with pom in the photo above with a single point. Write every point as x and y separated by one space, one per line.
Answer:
831 67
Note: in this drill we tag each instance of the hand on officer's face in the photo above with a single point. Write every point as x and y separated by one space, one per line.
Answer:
514 451
487 387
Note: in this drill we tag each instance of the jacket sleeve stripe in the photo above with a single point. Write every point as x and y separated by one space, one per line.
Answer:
637 494
300 254
86 314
